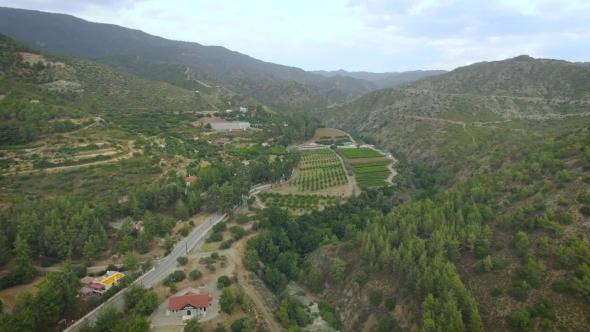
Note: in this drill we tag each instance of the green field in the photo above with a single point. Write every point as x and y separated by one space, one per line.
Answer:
352 153
371 174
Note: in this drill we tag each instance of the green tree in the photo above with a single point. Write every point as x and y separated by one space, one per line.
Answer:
522 242
133 295
193 325
147 304
338 269
181 211
250 260
195 274
131 262
138 323
316 279
23 263
227 300
126 245
108 319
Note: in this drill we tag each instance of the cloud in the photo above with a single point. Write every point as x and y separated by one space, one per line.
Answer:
381 35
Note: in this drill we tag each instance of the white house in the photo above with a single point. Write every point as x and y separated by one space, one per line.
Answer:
244 109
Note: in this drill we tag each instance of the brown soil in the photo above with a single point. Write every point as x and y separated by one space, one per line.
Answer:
324 132
9 295
213 119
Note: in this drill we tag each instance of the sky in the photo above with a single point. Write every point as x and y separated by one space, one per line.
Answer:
355 35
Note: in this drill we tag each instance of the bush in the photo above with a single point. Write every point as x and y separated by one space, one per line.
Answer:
561 287
242 219
226 244
214 255
195 274
585 210
238 232
223 281
173 278
211 267
182 260
375 297
215 237
584 198
184 231
390 303
220 227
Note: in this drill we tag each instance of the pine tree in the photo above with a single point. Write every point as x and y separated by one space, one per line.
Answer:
23 268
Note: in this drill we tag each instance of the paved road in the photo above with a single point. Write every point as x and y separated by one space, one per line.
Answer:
165 267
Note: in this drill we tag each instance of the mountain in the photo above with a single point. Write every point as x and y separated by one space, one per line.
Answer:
471 111
76 37
383 80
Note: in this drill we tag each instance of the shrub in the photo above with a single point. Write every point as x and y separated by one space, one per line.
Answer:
195 274
226 244
561 287
238 232
219 227
584 197
48 261
215 237
585 210
390 303
211 267
375 297
182 260
564 218
223 281
214 255
174 277
242 219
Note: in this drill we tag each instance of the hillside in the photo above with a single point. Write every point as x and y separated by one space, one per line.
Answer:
72 36
467 113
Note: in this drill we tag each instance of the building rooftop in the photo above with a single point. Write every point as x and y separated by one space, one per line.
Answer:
190 179
109 278
195 300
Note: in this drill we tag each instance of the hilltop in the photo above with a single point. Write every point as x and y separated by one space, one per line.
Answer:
76 37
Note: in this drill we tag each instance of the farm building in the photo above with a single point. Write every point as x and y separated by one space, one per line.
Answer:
230 126
190 179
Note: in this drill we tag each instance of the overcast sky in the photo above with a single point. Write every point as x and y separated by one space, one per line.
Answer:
368 35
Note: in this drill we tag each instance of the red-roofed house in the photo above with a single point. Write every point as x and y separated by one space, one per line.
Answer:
253 113
190 179
189 305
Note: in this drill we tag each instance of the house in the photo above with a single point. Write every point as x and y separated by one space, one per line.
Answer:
253 113
190 180
243 109
102 284
189 305
220 142
229 111
139 226
265 144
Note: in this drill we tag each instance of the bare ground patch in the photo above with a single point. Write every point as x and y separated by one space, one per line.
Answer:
367 160
327 132
9 295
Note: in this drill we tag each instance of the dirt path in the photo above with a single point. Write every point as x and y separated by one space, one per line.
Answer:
392 175
351 183
241 273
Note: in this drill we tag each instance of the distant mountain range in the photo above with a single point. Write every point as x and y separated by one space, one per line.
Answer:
271 83
383 80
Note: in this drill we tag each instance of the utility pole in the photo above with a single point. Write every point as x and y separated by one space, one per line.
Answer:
186 247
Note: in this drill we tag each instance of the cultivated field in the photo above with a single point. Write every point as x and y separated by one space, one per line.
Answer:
328 133
352 153
319 169
370 172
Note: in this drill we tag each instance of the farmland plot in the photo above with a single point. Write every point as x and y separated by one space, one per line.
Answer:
371 174
319 169
352 153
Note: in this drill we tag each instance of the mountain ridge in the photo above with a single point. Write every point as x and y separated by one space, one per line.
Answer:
73 36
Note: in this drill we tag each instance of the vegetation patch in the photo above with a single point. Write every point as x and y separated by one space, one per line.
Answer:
353 153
